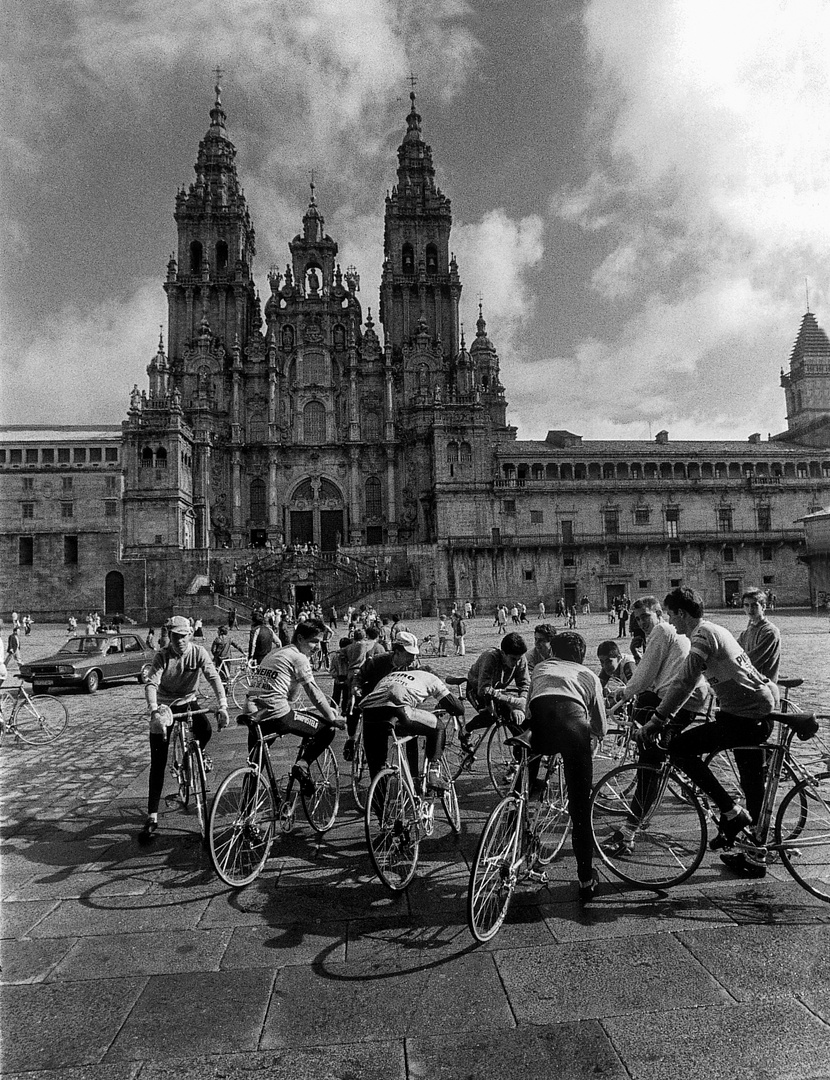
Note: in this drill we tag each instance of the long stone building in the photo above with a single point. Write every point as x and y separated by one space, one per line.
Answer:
383 445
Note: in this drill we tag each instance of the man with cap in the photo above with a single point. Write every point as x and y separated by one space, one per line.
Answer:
175 676
393 704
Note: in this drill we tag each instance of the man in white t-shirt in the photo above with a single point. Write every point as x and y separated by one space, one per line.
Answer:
745 700
394 705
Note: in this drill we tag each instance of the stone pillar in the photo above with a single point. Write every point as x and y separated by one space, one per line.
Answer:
355 532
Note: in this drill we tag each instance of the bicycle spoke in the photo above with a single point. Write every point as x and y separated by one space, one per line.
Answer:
495 870
802 834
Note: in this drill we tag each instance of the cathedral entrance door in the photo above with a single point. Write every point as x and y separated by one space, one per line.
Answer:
569 595
114 593
258 537
303 594
302 527
331 526
612 592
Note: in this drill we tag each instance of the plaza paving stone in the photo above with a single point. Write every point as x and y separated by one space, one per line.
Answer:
121 962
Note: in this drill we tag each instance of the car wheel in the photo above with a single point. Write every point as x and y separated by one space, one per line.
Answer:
144 674
92 682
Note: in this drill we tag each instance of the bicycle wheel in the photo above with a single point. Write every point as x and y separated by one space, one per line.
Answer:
617 748
240 686
802 834
40 719
392 829
241 826
614 791
669 840
359 770
179 768
449 799
197 782
501 764
321 807
495 869
552 821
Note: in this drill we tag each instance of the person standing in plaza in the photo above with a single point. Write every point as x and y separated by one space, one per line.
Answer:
459 633
14 645
541 610
262 640
443 635
761 640
622 622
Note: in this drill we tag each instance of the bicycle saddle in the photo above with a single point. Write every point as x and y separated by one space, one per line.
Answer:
790 684
455 680
519 740
804 725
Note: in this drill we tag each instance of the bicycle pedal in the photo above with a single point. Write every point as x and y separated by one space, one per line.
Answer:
173 802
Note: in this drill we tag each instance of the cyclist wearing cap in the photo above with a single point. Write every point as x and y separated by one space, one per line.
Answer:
543 635
565 709
286 672
173 676
393 704
488 679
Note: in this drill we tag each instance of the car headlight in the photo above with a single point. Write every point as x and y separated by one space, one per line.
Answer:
66 669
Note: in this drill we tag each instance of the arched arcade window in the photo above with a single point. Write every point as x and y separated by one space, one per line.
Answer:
221 255
408 259
432 259
196 257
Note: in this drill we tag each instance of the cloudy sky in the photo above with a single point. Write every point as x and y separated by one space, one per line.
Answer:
640 187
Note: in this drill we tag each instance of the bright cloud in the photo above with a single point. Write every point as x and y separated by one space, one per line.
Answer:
709 185
81 368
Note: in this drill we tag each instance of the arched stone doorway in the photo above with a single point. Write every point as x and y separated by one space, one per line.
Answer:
114 593
317 514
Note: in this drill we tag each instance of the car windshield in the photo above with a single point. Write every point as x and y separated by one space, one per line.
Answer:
83 645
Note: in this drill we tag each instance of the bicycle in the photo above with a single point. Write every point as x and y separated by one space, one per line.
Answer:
461 757
398 813
520 836
669 836
251 802
190 765
36 720
242 675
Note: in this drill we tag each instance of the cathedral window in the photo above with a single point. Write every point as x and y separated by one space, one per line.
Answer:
257 500
221 255
374 504
466 453
146 458
408 259
314 369
196 257
314 423
452 452
161 458
432 259
371 426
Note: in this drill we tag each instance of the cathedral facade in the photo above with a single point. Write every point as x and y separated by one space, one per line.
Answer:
304 422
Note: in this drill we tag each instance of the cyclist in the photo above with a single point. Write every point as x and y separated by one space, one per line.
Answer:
175 675
761 640
394 703
745 700
286 672
616 668
543 635
222 649
663 659
565 709
487 682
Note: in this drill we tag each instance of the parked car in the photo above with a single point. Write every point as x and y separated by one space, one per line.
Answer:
89 661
